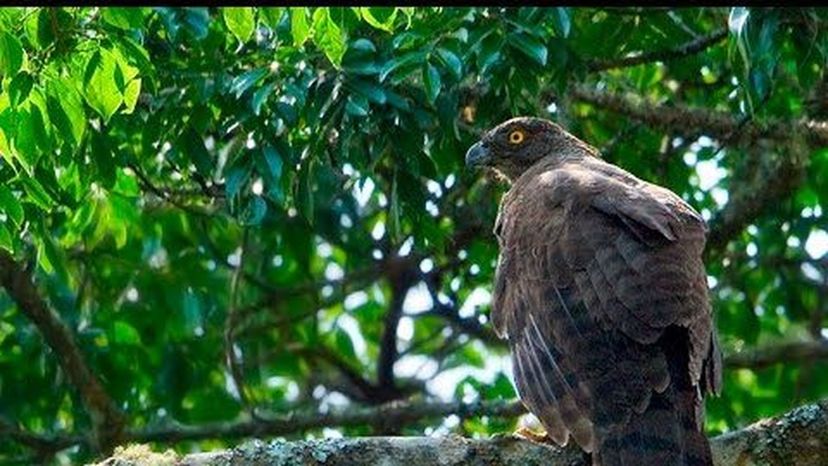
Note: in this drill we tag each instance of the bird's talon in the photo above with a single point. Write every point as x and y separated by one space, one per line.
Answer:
533 436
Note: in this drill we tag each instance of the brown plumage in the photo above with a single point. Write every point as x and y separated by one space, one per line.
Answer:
602 294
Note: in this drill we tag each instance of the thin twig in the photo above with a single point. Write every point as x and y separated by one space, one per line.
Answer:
688 48
230 326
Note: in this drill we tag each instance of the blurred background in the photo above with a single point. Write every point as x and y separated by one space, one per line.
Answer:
256 221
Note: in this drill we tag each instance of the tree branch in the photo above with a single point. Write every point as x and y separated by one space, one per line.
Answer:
396 451
230 322
775 179
402 275
359 389
693 122
798 437
107 419
688 48
43 444
782 353
770 177
468 325
276 294
164 193
395 413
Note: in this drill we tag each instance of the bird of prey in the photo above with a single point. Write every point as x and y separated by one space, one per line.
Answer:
601 292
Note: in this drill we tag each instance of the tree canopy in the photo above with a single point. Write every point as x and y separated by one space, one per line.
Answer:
221 223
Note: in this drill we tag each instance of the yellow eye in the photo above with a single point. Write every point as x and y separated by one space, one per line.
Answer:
516 137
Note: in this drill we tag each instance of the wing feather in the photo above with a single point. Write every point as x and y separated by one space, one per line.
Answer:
594 266
573 412
536 401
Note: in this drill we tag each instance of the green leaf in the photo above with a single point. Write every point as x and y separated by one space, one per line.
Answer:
469 357
36 193
273 162
131 93
760 82
127 71
127 185
344 345
361 66
452 62
360 58
261 95
10 205
299 28
35 26
762 39
125 334
328 36
8 127
19 88
405 40
135 54
50 27
11 54
362 47
241 21
6 239
561 21
65 109
194 149
29 126
269 166
44 260
489 53
357 105
100 88
234 180
410 190
123 215
501 389
397 101
40 113
124 18
11 17
192 311
530 47
197 21
379 17
104 161
431 80
243 82
255 211
271 16
287 112
369 90
402 61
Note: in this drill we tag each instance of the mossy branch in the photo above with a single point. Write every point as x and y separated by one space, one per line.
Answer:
799 437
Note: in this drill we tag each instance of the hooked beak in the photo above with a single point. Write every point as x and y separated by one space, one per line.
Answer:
477 155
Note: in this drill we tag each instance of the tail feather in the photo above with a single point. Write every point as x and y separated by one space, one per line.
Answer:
670 431
667 434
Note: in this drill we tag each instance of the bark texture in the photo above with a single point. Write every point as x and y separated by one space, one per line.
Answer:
799 438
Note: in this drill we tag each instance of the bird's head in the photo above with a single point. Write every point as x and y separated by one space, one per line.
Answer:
515 145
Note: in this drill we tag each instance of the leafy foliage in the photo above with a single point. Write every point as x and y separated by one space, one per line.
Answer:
296 175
